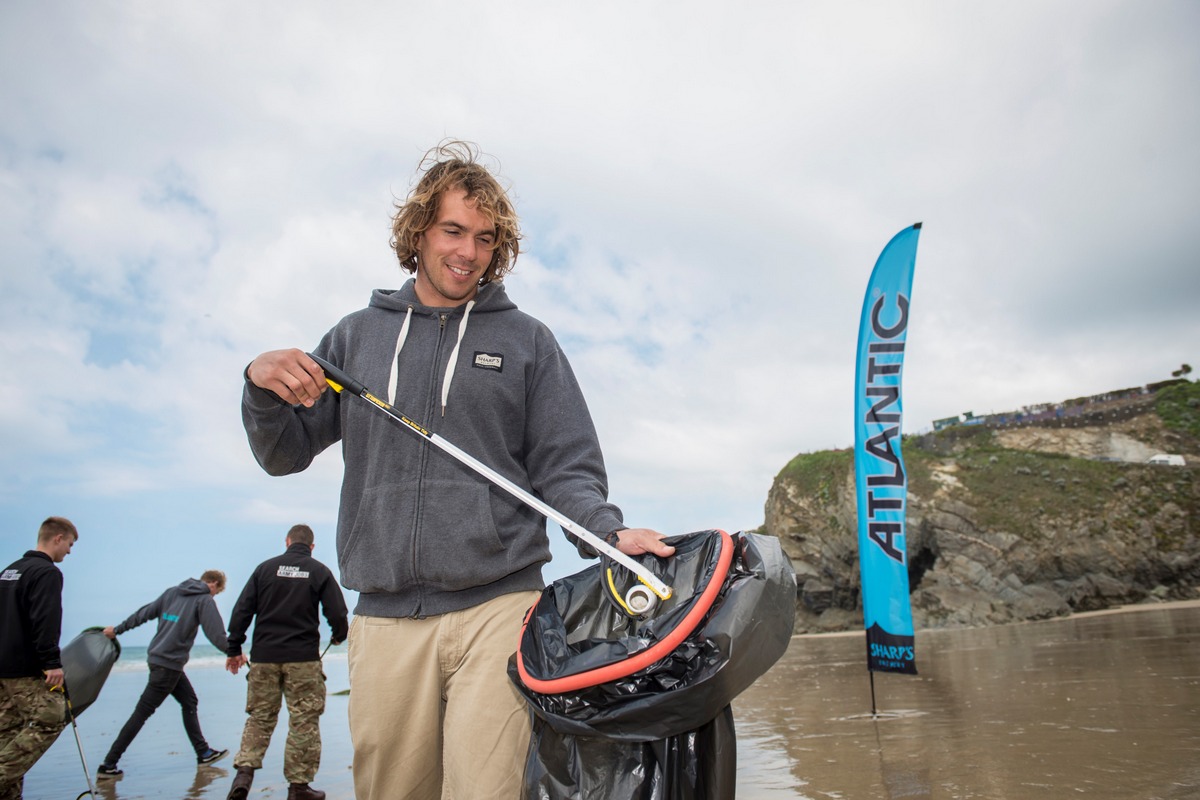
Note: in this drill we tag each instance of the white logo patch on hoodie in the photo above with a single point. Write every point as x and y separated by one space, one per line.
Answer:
489 361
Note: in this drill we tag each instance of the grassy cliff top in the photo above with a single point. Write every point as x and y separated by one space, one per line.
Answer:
1048 484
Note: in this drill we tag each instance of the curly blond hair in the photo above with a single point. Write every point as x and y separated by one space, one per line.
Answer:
455 164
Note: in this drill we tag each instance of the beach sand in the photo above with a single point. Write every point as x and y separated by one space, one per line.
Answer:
160 764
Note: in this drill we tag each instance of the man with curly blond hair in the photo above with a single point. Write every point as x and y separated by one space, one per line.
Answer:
445 566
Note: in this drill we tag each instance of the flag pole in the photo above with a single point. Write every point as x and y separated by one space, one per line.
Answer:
880 477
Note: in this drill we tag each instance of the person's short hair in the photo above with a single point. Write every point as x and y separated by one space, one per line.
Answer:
455 165
300 534
214 576
53 526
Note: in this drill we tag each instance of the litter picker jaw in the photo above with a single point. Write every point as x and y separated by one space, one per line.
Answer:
339 381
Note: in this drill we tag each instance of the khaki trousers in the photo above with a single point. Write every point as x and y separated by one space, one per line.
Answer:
433 715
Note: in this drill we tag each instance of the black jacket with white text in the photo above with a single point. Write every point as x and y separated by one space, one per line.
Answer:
30 616
282 598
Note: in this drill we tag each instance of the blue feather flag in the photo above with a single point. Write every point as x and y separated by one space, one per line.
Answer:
880 478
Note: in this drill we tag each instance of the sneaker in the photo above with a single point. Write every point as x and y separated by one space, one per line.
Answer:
108 771
210 755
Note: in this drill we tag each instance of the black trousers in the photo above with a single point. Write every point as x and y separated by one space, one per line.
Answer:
163 683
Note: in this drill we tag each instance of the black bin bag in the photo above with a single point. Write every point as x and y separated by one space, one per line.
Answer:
629 706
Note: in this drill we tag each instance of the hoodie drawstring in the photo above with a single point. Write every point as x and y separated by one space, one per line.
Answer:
394 373
462 329
391 394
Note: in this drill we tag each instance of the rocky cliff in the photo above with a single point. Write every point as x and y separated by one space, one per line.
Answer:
1010 523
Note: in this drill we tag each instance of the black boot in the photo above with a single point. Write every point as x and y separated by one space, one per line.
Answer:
241 783
302 791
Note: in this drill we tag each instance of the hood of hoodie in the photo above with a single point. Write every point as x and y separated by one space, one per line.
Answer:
193 586
490 298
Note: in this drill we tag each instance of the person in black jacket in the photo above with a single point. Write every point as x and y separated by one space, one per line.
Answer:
181 611
284 593
32 713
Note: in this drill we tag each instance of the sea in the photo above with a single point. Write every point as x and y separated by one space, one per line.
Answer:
1100 706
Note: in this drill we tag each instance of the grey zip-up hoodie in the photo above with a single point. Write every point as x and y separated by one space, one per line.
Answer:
180 611
419 533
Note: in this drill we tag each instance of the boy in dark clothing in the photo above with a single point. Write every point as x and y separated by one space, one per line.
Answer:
32 713
283 595
180 611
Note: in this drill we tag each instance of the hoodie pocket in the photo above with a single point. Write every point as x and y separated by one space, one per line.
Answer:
378 552
457 546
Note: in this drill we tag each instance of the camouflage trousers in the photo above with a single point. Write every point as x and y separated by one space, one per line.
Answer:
31 717
303 685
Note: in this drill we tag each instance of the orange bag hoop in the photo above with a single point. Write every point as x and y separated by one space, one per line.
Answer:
643 659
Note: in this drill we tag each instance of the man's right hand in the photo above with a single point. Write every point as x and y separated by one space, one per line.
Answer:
110 632
290 374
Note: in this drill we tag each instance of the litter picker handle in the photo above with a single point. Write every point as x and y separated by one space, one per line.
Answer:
340 381
337 379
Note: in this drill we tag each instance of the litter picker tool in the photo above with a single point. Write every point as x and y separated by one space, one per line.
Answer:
87 773
340 381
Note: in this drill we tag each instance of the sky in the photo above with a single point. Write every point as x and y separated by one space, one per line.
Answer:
704 188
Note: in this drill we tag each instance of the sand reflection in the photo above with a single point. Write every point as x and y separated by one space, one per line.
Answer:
1102 705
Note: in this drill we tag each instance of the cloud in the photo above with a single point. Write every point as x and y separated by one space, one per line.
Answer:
704 189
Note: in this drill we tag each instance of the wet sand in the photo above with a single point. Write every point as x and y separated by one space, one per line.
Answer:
160 764
1099 705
